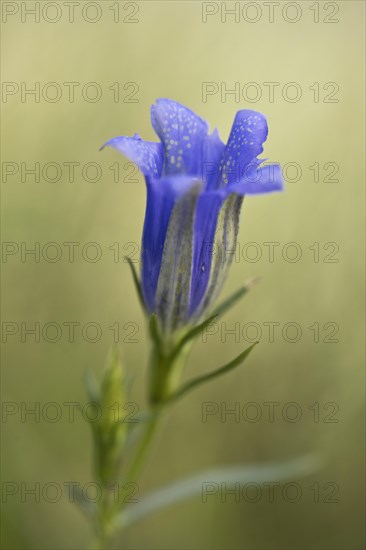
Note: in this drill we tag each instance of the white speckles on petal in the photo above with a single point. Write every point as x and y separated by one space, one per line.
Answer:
147 155
182 133
248 133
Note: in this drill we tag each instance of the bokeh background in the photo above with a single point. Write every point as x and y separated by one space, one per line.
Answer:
169 51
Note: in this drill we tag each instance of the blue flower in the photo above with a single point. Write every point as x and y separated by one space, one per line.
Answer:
195 188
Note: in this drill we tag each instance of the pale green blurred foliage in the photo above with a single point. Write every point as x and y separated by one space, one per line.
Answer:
169 54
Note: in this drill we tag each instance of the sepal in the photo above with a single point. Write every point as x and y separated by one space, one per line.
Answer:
168 356
211 375
137 283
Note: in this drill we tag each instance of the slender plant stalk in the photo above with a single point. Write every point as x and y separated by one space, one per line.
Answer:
143 447
167 361
107 514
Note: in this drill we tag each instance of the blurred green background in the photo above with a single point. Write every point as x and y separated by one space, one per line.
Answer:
170 52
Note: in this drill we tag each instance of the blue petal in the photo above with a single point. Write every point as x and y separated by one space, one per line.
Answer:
213 153
162 195
182 134
266 179
224 245
208 208
146 154
210 204
173 291
247 136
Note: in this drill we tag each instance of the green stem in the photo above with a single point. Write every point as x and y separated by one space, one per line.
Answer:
133 472
165 372
166 369
143 448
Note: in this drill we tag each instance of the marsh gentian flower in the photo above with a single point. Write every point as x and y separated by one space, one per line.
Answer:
195 188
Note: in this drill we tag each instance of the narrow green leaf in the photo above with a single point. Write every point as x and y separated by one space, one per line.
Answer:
220 310
154 329
137 283
273 472
233 298
211 375
195 331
